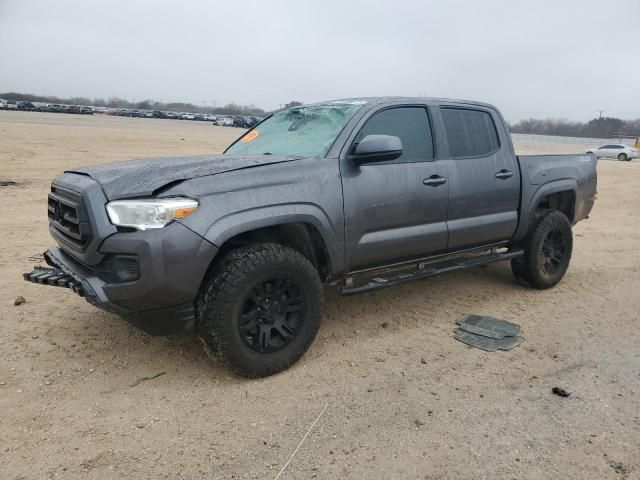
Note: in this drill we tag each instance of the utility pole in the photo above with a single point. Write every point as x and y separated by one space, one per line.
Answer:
204 106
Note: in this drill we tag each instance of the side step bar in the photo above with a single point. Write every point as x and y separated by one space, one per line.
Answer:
431 270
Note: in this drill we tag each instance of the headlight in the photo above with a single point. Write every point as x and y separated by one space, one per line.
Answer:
144 214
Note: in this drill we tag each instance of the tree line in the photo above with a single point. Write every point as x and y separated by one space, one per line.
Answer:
604 127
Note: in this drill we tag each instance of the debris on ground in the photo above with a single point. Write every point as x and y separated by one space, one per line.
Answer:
487 333
144 379
619 468
561 392
7 183
19 300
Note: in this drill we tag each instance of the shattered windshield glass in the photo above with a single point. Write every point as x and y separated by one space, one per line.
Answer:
303 131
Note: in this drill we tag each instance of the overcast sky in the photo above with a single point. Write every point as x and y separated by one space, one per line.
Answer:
532 59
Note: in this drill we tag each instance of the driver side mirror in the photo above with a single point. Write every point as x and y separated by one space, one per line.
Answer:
377 148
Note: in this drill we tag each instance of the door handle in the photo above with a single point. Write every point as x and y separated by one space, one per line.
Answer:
434 180
504 174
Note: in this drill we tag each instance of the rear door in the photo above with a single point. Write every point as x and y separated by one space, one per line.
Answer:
484 178
395 210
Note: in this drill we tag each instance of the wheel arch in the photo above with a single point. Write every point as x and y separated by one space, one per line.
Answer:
558 195
304 228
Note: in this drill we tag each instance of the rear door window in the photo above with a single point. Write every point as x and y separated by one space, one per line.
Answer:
471 133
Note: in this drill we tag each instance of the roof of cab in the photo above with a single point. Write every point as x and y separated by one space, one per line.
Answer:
381 100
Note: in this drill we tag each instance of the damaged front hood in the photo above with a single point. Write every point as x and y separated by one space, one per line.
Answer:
137 178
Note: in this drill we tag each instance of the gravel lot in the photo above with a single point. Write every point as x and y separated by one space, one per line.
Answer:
405 400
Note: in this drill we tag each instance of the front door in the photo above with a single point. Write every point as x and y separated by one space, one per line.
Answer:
484 179
395 210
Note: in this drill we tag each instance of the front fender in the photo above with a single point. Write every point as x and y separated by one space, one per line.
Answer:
243 221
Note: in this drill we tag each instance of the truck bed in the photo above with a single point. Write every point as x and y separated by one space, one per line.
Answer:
575 171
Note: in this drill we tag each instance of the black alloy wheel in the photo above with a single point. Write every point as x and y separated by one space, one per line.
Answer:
272 314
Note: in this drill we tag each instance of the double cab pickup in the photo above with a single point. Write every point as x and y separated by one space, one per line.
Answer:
360 194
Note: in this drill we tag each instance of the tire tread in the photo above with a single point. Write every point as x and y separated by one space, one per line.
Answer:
216 300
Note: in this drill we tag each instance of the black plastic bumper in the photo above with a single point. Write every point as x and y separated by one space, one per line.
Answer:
67 273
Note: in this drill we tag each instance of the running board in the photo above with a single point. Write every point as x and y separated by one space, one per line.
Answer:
431 270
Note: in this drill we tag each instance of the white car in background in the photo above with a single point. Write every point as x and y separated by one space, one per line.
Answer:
615 150
225 121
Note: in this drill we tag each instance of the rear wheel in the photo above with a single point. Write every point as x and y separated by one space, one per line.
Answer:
547 252
623 157
260 308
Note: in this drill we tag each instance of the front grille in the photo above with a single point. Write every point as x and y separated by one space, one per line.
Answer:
68 218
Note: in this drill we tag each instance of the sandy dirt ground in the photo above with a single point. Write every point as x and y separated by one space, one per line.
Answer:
405 400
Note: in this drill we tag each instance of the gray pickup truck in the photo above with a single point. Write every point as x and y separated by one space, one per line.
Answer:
359 193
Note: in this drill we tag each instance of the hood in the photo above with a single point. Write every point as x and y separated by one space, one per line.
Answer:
137 178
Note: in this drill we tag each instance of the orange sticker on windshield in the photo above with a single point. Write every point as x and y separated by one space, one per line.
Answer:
250 136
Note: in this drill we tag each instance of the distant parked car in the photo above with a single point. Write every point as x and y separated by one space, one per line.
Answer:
241 122
617 150
57 108
8 105
225 121
187 116
25 106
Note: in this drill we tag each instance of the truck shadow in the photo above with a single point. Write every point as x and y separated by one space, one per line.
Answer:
423 304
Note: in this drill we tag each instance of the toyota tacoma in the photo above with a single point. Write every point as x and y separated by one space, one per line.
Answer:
360 194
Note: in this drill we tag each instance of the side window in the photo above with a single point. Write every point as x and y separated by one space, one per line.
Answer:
470 132
410 124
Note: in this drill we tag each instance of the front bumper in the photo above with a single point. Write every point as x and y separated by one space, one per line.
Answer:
172 264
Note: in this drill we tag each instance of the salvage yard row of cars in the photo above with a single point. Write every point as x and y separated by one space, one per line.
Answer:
242 121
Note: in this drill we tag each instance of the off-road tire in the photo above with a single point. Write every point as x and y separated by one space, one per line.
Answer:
539 267
231 280
519 269
623 157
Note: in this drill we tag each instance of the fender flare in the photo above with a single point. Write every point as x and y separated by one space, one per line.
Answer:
228 226
531 199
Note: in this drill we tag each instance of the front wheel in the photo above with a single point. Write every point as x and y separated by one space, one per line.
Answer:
547 252
260 308
623 157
